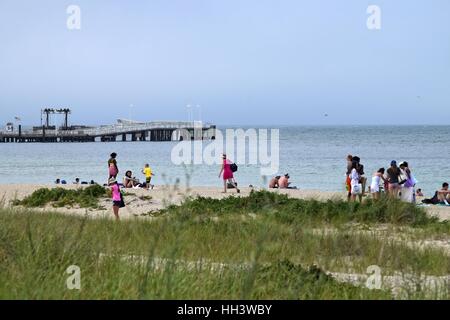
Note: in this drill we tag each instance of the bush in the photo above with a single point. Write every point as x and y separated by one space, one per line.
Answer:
60 197
291 210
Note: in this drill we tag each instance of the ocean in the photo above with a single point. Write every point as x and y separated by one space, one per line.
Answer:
314 157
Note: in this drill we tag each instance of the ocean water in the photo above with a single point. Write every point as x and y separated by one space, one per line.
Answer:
313 156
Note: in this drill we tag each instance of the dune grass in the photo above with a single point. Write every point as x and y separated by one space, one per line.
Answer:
268 247
60 197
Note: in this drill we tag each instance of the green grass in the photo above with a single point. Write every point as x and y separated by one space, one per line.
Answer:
284 246
297 211
60 197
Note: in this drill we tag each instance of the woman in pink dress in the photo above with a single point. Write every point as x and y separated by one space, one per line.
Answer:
227 174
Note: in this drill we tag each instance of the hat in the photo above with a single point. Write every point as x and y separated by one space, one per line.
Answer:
393 163
112 180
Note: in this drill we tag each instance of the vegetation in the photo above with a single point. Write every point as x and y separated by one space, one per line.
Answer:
291 210
60 197
265 246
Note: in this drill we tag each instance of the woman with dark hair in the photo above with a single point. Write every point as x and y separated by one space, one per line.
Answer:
408 183
112 166
375 185
116 197
347 176
356 188
393 177
228 176
129 181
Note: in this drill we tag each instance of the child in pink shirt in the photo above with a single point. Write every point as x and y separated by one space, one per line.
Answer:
116 197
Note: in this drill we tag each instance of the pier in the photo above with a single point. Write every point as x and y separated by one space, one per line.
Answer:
124 130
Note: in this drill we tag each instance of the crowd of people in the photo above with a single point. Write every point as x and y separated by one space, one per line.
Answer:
397 182
129 181
76 182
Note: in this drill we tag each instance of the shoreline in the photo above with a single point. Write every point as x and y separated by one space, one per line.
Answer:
139 204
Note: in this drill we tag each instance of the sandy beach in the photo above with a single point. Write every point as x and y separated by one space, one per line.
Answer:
141 202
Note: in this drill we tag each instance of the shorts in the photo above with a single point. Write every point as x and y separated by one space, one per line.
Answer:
117 203
148 180
374 188
393 186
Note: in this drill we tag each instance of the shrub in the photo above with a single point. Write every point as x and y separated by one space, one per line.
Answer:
60 197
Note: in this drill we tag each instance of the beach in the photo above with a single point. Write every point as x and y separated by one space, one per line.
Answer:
141 202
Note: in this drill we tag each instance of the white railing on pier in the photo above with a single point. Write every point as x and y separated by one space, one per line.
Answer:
115 129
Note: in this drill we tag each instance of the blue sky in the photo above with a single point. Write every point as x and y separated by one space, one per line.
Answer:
245 62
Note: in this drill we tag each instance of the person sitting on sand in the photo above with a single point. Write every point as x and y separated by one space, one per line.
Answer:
77 181
58 181
444 194
283 182
129 181
419 193
273 184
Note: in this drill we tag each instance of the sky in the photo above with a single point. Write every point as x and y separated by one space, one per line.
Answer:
244 62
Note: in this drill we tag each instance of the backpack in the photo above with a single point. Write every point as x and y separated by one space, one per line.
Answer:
233 167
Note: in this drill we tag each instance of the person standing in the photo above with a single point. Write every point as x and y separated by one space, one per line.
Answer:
116 197
347 176
376 181
407 188
112 166
393 177
148 176
356 188
228 176
362 178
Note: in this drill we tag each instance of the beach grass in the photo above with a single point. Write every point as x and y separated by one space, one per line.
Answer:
60 197
265 246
